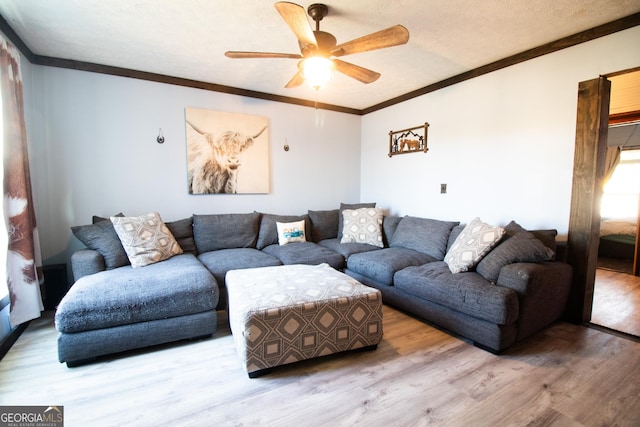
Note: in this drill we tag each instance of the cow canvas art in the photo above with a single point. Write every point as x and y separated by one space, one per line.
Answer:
226 152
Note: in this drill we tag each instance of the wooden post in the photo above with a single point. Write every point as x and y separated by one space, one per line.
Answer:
588 175
636 253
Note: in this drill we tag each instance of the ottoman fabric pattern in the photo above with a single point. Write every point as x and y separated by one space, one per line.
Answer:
280 315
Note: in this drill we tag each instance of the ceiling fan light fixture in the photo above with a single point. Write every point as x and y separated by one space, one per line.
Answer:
317 71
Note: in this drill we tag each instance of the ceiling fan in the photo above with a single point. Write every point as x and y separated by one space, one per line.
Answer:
319 51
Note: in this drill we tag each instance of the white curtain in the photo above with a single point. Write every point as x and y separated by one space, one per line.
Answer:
613 158
24 266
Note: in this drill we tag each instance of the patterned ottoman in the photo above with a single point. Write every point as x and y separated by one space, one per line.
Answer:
284 314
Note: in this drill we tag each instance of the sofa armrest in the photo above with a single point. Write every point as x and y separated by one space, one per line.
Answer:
542 288
85 262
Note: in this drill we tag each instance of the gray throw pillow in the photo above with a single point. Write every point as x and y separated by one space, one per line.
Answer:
429 236
225 231
102 237
389 226
324 224
182 231
520 247
548 237
344 206
97 218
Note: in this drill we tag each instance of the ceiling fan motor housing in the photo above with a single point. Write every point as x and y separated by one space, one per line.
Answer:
317 11
326 43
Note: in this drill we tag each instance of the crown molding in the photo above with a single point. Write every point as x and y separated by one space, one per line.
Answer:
563 43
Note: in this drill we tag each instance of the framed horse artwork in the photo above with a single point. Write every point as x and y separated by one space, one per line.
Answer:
412 140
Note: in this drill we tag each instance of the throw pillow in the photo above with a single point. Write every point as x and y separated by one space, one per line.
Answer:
97 218
344 206
474 241
324 224
182 231
523 246
289 232
102 237
146 239
362 225
389 226
426 235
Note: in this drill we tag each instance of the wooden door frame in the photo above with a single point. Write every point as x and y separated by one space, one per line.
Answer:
592 125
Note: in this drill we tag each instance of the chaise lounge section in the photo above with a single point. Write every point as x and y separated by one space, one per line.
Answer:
128 308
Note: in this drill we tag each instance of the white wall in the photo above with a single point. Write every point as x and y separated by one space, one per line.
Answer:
503 142
94 152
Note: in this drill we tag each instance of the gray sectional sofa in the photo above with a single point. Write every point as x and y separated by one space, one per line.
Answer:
515 290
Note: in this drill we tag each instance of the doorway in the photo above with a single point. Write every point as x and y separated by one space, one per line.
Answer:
616 297
605 297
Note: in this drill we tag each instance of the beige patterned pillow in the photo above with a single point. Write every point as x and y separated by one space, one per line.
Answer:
290 232
362 225
473 243
146 239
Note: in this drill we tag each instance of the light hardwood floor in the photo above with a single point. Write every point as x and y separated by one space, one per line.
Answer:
568 375
616 301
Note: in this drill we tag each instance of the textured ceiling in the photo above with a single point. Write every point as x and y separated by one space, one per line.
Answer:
188 38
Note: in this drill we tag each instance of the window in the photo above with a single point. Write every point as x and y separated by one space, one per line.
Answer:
620 198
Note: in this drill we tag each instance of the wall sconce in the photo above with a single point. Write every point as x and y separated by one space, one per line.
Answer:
160 138
317 71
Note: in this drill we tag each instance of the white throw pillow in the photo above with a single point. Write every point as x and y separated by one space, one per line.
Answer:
473 243
146 239
290 232
362 225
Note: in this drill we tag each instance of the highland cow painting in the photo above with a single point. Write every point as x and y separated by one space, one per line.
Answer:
227 153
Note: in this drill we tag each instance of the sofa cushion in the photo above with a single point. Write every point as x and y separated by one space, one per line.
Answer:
324 224
344 206
362 225
455 232
382 264
291 232
225 231
305 253
468 293
389 226
346 249
268 234
102 237
146 239
475 240
221 261
429 236
182 230
97 218
520 247
178 286
547 237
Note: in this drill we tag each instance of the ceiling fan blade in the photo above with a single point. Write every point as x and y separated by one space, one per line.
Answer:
295 81
296 18
392 36
238 54
356 72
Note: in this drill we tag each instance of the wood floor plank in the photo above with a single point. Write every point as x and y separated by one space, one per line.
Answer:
616 301
567 375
